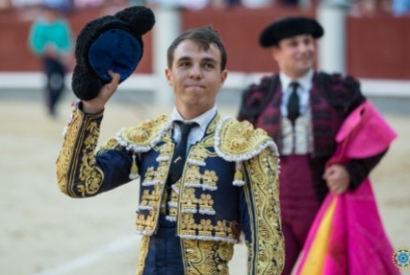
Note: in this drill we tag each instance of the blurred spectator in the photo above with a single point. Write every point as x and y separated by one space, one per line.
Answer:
401 7
368 7
372 7
4 4
222 4
194 4
52 3
187 4
233 2
290 2
51 40
61 5
137 2
257 3
65 6
113 6
88 3
22 3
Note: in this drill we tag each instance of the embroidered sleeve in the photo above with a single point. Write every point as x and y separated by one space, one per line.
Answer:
81 172
262 222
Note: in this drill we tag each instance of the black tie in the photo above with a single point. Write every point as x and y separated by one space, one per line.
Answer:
293 103
178 159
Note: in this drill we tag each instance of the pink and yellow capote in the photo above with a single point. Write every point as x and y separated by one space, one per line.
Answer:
347 236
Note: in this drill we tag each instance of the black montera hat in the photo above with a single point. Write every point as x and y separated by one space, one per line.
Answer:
288 27
111 42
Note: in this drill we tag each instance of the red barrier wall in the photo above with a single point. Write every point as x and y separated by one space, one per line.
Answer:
377 46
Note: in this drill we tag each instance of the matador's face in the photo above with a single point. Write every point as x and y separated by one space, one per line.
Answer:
295 55
196 77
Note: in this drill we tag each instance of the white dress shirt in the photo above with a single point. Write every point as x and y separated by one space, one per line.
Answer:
305 84
197 133
297 138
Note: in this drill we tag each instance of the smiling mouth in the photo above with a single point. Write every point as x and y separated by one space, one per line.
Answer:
305 58
194 87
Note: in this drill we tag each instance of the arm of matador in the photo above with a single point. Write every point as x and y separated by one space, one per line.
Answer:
359 169
81 172
261 218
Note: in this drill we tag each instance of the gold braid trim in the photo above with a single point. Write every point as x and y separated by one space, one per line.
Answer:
77 174
266 254
239 141
146 135
143 254
206 257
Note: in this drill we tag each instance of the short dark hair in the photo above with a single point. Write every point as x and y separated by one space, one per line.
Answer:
203 37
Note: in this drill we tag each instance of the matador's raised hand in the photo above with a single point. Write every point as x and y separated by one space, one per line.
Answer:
97 104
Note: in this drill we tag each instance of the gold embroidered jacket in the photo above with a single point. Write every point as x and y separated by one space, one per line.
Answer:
229 184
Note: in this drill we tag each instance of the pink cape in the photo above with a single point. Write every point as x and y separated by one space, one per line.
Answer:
347 236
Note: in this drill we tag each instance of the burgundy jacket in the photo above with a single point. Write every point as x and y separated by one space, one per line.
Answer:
332 99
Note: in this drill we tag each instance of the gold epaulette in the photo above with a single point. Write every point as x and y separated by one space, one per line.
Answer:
143 137
240 141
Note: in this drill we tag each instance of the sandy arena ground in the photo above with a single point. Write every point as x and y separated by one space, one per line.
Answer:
43 232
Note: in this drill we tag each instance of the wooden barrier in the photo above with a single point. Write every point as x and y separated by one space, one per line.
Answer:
378 47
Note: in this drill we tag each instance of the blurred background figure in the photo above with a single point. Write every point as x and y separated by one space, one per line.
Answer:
88 3
223 4
257 3
50 38
371 8
185 4
62 5
111 7
401 7
290 2
4 4
303 116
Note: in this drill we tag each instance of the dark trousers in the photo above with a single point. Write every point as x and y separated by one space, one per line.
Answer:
164 253
55 75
